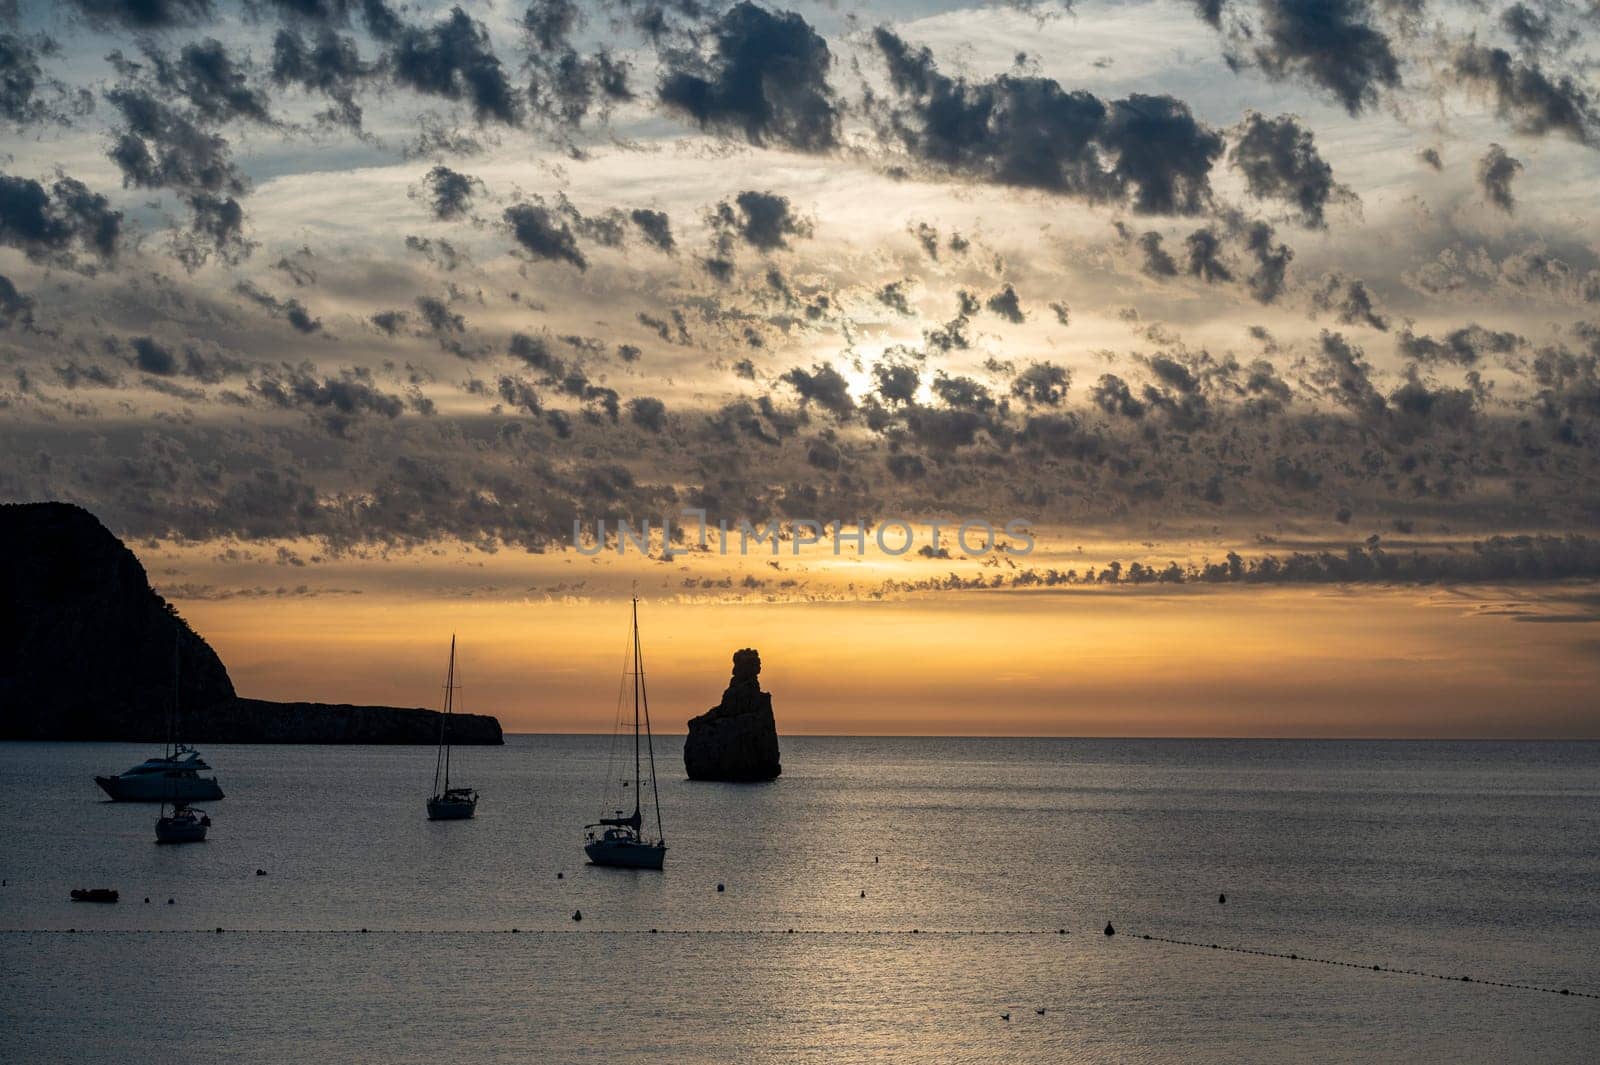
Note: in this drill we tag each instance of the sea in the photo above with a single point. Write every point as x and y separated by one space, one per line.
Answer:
886 900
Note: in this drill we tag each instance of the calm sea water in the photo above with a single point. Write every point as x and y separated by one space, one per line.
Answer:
1480 859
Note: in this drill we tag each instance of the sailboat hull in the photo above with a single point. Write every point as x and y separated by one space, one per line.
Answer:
170 830
440 810
625 855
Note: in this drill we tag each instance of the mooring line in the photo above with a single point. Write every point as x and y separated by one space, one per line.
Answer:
1295 956
880 932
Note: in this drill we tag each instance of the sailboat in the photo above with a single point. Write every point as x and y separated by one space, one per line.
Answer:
448 803
621 841
183 825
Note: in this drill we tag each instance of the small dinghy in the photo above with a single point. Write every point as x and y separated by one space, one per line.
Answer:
449 804
185 825
94 894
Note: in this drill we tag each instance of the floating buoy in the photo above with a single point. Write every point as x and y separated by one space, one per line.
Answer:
261 872
147 900
561 876
719 885
514 931
1040 1011
577 915
171 901
1222 898
863 893
1110 931
219 929
874 859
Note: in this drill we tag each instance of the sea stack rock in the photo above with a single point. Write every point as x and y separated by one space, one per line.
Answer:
736 740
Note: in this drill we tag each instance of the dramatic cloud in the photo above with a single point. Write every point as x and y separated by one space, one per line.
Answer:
146 14
1279 160
453 59
51 224
1349 299
450 193
1031 133
762 220
1524 95
1465 346
1328 43
1495 171
764 78
543 234
655 227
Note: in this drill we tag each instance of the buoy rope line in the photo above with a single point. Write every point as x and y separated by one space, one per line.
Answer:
879 932
1369 968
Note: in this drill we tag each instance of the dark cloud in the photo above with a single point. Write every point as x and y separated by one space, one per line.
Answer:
1205 256
1430 157
893 296
764 78
824 386
1495 172
549 23
151 357
648 413
450 192
655 227
1267 281
1464 347
453 59
1063 313
329 64
1007 305
146 14
1042 384
543 234
763 220
1279 160
1524 95
215 85
52 224
1529 28
16 308
1149 151
1349 299
1331 44
290 310
1157 261
216 228
1112 395
27 96
339 403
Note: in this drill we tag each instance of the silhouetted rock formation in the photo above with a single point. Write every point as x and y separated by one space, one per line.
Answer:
86 653
736 740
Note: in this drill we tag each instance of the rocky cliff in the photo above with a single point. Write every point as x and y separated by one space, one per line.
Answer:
87 648
737 739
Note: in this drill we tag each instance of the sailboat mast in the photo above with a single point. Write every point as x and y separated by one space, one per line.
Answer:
649 737
449 708
637 798
441 763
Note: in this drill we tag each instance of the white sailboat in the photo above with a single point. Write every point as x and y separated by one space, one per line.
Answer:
449 803
621 841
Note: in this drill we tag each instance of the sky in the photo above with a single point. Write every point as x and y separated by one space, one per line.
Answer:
1272 326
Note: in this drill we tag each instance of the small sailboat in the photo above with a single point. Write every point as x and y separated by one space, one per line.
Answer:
185 824
621 841
449 803
174 777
